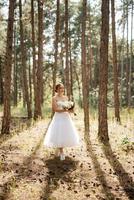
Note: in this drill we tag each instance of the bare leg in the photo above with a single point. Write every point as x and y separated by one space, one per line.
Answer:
61 150
62 156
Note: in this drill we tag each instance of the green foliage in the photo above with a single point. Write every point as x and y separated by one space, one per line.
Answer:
127 144
125 140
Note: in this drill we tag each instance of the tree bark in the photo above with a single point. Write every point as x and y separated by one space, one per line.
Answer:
115 68
24 66
56 45
122 61
71 68
30 79
85 71
15 93
103 73
67 74
34 56
39 88
79 85
89 51
127 65
1 82
131 56
8 68
62 61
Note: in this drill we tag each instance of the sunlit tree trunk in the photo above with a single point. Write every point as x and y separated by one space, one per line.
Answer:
15 93
62 60
79 85
122 57
30 79
7 69
34 56
56 45
127 64
115 68
85 71
96 69
39 88
131 56
71 67
1 82
67 74
89 50
103 73
24 66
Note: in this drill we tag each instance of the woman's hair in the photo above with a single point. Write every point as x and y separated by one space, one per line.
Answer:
58 86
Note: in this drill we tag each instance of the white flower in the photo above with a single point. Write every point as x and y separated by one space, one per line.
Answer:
65 104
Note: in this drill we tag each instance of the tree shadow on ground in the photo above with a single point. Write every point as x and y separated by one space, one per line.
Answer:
124 178
18 124
105 188
58 173
21 171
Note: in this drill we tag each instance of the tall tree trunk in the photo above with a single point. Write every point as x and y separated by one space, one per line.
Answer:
15 94
115 68
131 56
71 67
85 72
66 51
89 50
56 44
34 57
39 88
1 82
127 65
30 79
96 68
103 73
7 70
24 66
79 86
122 61
62 60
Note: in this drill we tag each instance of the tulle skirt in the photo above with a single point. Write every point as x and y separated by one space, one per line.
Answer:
61 132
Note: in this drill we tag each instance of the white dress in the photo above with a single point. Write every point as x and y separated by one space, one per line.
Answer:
61 132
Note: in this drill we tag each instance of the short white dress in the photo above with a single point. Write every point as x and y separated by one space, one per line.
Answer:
61 132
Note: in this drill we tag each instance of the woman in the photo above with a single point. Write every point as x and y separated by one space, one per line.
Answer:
61 132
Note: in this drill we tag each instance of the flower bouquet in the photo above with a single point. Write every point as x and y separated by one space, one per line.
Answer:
67 105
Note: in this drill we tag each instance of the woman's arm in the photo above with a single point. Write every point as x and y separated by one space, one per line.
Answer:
55 107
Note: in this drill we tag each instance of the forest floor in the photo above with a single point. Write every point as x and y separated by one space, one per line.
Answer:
30 171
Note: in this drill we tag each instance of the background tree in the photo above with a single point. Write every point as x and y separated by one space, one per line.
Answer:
67 74
131 61
56 45
24 66
115 68
103 73
85 71
7 70
47 59
34 54
39 88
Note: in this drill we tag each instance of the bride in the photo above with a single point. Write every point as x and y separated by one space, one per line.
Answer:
61 131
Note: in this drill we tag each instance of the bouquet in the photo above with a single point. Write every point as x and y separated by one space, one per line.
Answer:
67 105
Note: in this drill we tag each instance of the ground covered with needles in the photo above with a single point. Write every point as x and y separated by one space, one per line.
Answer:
30 171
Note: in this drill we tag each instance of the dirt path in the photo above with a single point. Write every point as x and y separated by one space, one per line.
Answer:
29 171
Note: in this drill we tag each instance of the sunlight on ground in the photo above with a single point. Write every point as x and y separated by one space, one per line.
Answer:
28 170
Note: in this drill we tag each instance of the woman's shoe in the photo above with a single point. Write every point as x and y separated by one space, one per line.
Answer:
62 156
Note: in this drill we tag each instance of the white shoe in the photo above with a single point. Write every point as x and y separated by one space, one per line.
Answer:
62 156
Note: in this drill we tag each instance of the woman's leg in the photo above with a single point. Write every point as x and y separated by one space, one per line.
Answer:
61 150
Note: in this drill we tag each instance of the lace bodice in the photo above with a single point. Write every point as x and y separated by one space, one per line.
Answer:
59 103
